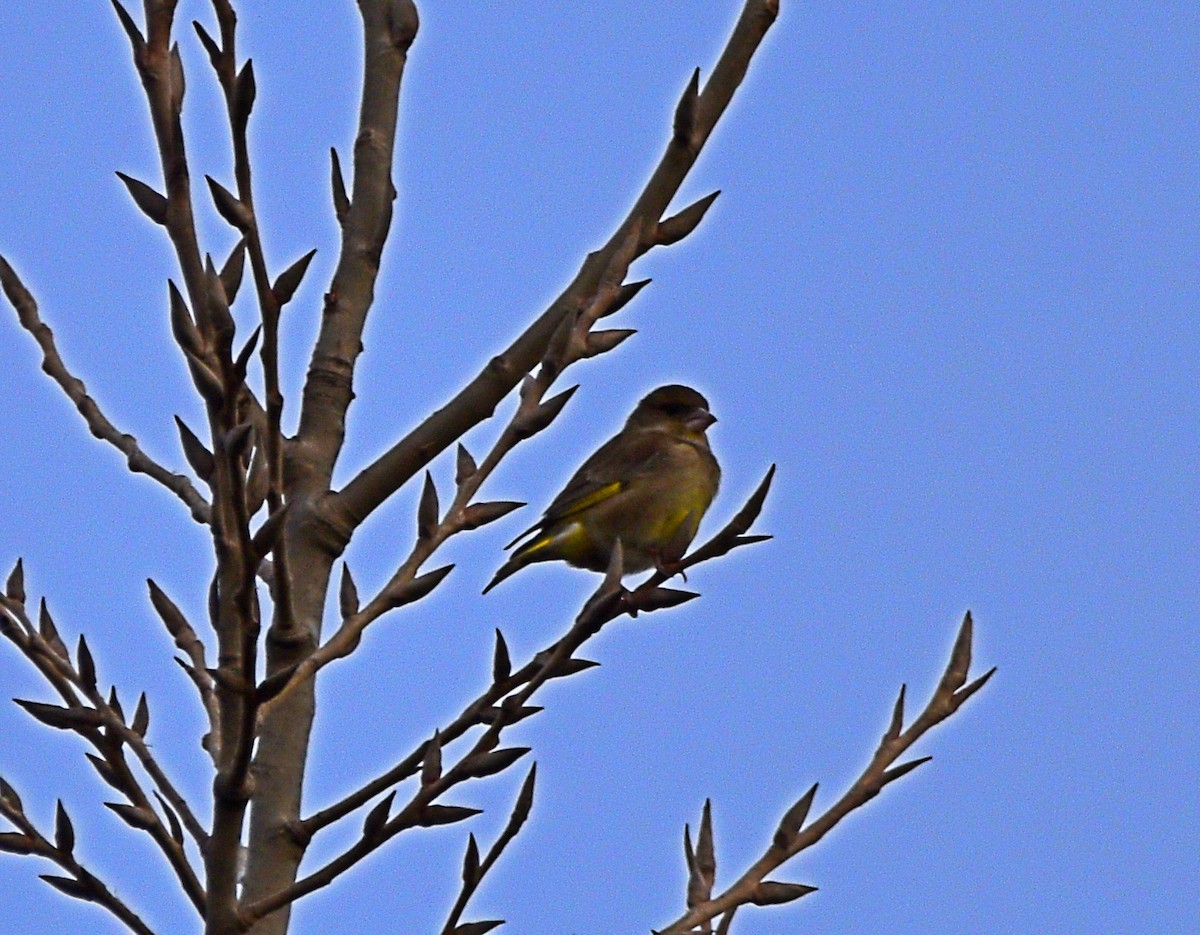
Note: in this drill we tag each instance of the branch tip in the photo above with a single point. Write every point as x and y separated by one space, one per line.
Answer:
464 466
431 763
480 514
891 775
626 295
685 112
347 593
244 94
793 819
770 893
966 692
501 662
495 761
233 210
524 801
678 226
64 832
183 327
428 510
897 722
231 272
341 201
136 39
289 280
14 588
151 203
210 45
242 364
960 657
418 588
373 825
706 858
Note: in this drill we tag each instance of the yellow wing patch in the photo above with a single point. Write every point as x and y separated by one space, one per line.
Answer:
567 542
591 499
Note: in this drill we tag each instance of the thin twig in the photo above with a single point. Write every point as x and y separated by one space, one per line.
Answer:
98 424
475 870
220 380
82 884
239 94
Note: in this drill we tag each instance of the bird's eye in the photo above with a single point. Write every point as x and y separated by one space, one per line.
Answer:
676 410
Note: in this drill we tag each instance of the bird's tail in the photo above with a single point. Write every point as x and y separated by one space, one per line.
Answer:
511 566
541 549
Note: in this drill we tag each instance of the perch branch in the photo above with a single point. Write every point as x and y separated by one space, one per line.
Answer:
504 701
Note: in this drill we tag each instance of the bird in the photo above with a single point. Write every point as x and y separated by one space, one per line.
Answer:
648 486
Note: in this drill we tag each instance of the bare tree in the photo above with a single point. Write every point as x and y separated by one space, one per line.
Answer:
278 527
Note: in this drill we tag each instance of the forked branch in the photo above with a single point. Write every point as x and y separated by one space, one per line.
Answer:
696 117
474 869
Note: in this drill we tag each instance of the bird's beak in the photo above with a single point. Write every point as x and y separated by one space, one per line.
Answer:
700 421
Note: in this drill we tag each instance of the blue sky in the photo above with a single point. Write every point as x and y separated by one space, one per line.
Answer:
949 287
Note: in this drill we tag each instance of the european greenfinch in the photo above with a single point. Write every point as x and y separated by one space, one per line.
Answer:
648 486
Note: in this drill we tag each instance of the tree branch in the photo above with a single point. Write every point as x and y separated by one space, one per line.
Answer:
377 829
474 870
421 811
792 836
103 726
207 344
389 29
98 424
196 665
82 884
239 91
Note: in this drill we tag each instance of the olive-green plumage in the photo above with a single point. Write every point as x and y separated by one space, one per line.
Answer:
648 486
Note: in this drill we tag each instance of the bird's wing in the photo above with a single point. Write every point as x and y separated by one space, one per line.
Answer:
605 474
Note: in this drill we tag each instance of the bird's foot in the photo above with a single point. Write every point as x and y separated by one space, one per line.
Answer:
669 569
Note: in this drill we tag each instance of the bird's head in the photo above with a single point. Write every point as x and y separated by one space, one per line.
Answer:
676 409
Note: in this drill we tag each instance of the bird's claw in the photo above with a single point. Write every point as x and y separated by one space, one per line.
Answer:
669 569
